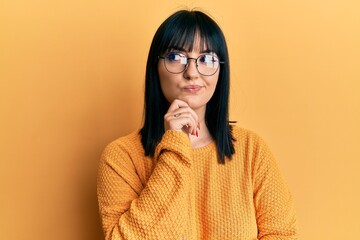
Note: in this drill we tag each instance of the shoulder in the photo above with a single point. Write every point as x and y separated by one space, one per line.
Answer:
248 142
254 150
244 135
126 145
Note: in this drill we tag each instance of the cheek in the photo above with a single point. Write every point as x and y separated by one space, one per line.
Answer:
211 91
213 84
166 84
165 89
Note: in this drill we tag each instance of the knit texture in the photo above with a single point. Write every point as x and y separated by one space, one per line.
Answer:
183 193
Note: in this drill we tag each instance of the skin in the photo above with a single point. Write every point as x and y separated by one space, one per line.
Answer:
188 93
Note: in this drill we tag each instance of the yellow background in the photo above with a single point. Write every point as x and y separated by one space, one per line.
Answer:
72 80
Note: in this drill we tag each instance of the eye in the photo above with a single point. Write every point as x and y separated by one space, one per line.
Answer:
209 60
176 57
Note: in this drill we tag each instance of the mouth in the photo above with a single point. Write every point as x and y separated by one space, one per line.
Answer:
192 88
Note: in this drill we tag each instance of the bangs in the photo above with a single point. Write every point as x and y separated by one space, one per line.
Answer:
189 41
191 31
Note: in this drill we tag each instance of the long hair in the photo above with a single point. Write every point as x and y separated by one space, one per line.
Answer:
180 30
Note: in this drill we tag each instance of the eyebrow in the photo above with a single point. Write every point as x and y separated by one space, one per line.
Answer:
208 51
176 48
183 49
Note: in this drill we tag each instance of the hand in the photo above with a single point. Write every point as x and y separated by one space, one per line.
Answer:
181 117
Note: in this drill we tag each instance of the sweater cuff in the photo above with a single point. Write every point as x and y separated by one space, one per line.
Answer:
174 141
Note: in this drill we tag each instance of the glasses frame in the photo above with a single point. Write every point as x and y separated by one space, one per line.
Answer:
188 62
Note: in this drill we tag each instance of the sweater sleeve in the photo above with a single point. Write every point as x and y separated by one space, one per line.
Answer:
273 202
158 211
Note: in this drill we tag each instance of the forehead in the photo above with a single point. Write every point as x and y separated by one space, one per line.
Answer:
199 45
191 43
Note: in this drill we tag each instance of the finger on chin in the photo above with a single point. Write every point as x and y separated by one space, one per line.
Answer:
176 104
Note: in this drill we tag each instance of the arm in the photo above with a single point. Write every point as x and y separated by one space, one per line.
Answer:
160 209
273 202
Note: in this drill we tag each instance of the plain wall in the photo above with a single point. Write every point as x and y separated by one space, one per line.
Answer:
72 80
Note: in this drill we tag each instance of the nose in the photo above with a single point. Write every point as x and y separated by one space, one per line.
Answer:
191 71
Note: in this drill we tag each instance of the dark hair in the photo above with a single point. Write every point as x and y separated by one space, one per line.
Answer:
180 30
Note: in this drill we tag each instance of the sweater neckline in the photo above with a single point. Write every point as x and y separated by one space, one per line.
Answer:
204 148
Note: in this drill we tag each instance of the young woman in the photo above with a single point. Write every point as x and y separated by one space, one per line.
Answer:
188 173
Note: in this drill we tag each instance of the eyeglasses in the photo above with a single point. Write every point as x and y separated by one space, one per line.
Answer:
206 64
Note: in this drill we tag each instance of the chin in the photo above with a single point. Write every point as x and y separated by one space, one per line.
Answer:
194 103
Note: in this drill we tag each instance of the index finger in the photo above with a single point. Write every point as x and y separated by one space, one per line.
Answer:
176 104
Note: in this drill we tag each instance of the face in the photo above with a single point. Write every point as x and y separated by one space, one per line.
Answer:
190 86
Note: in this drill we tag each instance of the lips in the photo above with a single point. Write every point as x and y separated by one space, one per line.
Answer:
192 88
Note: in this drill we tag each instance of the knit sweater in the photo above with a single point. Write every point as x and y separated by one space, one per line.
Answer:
184 193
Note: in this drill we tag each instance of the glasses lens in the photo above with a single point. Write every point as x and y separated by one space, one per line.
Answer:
207 64
175 62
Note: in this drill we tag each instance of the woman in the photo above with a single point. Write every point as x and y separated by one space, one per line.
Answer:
188 173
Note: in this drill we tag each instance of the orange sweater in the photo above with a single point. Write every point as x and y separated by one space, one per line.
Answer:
183 193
